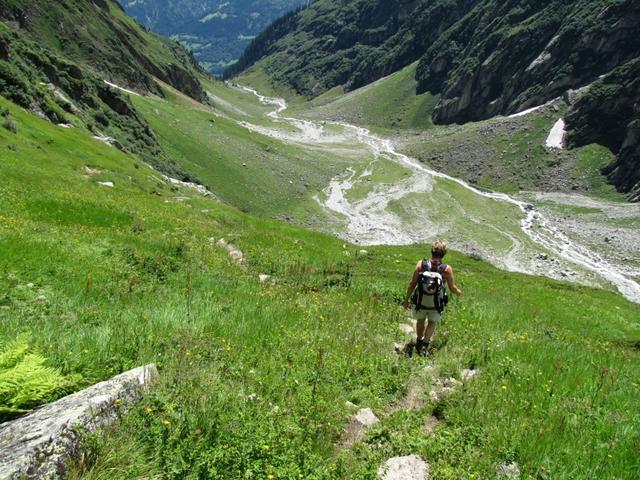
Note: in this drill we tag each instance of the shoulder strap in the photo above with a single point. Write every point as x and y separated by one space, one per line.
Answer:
442 267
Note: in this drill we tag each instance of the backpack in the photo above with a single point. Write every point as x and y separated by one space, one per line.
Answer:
431 294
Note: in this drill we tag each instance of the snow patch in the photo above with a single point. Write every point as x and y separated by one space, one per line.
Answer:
526 112
202 190
556 135
118 87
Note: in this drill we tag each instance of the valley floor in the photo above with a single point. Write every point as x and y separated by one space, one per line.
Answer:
386 197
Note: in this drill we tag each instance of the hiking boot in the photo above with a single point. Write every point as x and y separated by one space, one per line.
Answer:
422 348
408 349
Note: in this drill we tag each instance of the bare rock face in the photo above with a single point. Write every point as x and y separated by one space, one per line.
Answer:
41 444
411 467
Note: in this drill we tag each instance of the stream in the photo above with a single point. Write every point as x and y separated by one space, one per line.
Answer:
369 222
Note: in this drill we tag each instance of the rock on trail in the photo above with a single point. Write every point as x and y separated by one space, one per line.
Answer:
362 421
235 253
411 467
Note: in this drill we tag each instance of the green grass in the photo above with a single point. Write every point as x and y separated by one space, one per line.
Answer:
388 104
380 172
255 173
591 159
254 377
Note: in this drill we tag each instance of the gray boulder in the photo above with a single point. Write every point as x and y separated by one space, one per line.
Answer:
411 467
41 444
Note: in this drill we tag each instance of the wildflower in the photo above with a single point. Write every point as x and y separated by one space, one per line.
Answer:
149 410
504 387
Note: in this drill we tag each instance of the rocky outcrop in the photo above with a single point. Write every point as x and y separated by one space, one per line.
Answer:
509 56
609 114
41 444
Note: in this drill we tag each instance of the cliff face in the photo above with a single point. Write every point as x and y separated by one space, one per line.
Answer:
511 55
609 114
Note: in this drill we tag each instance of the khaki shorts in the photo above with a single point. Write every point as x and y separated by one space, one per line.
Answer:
423 314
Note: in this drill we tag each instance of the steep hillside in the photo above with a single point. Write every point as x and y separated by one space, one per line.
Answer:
255 377
215 31
98 34
55 56
349 43
508 56
609 114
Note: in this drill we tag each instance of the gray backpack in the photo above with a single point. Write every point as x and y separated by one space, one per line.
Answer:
431 293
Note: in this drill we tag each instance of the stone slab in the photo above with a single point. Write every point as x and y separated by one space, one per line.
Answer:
40 445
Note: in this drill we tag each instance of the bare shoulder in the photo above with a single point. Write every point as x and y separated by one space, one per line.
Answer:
419 265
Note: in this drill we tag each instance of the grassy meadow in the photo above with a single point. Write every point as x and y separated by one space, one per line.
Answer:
254 377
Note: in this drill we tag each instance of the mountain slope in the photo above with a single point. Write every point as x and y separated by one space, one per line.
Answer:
482 58
215 31
608 114
98 34
349 43
508 56
54 57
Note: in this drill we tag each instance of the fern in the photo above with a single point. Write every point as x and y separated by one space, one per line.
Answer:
13 352
26 381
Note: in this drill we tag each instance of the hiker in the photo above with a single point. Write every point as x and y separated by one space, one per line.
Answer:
429 295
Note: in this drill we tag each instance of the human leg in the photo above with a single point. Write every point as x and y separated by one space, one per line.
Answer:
431 327
420 329
433 319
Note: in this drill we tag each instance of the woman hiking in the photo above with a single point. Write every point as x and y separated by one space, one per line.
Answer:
430 298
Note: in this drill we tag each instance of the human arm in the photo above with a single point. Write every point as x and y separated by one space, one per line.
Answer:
412 285
448 276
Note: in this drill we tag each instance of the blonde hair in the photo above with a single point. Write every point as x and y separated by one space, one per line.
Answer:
439 249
